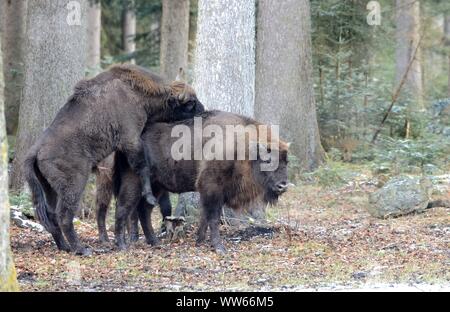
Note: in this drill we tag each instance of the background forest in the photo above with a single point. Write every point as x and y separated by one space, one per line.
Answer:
361 89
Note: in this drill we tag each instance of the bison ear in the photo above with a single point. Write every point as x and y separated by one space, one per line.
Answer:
172 102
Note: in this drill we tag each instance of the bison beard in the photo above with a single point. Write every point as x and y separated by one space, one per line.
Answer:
219 182
105 114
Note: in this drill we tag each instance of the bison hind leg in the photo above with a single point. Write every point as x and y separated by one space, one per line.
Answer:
145 216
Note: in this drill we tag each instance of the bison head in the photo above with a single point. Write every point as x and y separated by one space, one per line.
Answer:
275 181
183 102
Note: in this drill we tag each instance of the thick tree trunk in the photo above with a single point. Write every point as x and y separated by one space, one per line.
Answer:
407 38
55 61
14 25
129 27
174 37
8 281
447 42
284 78
224 70
94 27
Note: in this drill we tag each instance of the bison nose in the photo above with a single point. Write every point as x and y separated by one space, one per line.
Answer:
282 186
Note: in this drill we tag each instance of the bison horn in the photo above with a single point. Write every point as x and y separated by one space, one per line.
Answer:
182 97
180 75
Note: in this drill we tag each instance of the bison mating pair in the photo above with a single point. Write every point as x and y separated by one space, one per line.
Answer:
108 114
105 114
235 183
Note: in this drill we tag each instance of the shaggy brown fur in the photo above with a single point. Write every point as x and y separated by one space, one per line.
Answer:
235 183
105 114
104 186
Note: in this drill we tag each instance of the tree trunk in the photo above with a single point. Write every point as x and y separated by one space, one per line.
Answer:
447 42
174 37
55 61
284 77
224 70
8 281
407 39
129 28
94 27
14 25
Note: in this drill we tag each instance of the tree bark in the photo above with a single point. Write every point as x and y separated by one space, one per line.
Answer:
224 66
55 61
407 38
14 25
174 37
129 28
94 28
284 77
447 43
224 69
8 280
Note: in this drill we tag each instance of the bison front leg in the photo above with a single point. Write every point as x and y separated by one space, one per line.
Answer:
140 162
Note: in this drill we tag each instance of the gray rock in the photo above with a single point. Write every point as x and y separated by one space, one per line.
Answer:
400 196
21 220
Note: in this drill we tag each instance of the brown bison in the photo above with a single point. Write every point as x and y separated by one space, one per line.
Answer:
104 186
235 183
105 114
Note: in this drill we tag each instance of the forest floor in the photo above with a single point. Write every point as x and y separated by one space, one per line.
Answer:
317 239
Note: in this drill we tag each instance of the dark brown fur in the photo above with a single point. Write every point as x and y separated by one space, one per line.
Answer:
105 114
104 186
235 183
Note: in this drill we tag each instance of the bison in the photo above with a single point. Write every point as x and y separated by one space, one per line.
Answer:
105 114
104 186
237 183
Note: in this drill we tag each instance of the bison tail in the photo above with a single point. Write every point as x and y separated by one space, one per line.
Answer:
34 177
120 165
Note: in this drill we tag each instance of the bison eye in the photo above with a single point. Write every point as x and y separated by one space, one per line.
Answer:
189 105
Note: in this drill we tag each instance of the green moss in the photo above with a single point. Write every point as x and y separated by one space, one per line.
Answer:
10 281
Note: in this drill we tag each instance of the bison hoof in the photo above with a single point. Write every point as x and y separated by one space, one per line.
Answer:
121 246
151 199
134 238
84 251
220 249
154 242
103 240
65 248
